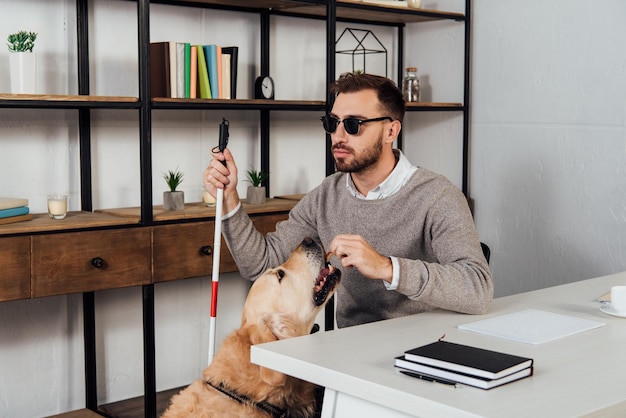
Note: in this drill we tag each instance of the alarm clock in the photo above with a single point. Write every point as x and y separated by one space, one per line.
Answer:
264 87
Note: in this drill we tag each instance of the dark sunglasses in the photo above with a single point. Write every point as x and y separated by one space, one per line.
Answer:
351 125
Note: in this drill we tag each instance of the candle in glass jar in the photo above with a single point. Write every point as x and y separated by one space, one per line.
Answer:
415 4
208 199
57 206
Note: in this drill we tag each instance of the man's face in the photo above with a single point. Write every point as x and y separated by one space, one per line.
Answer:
358 152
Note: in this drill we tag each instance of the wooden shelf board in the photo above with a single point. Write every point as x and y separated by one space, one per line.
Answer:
198 210
432 104
165 102
346 9
67 98
41 222
100 218
387 13
239 101
170 103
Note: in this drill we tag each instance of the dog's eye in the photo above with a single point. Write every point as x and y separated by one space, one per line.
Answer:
280 274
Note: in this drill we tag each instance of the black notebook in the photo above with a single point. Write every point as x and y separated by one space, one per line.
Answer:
469 360
423 371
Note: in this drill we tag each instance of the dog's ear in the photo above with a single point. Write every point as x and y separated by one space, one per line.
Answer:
282 326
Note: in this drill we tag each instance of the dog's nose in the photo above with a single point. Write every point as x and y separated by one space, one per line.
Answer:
308 242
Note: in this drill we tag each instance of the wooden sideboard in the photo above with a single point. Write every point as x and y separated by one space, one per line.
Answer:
109 249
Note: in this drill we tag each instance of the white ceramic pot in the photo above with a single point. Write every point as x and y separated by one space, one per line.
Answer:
23 68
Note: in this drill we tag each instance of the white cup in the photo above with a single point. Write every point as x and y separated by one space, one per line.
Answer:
57 206
618 298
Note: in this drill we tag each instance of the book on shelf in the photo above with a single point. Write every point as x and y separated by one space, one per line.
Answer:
12 202
180 70
233 51
173 70
226 76
466 359
159 69
434 373
20 210
210 54
218 60
187 69
193 72
204 86
14 219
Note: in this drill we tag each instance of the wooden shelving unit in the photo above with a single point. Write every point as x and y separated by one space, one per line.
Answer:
149 216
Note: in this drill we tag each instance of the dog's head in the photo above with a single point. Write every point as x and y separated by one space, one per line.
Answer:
286 299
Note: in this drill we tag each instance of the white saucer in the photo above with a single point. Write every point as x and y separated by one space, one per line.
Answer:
606 307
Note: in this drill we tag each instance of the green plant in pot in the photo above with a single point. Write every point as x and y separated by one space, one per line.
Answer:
173 199
256 191
22 62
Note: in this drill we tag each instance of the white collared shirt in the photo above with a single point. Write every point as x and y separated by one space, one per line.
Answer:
401 173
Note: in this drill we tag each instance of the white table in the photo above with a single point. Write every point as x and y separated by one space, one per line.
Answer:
580 375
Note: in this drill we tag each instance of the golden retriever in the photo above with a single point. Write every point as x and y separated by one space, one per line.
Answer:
282 303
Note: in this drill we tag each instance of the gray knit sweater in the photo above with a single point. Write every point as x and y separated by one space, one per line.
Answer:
427 225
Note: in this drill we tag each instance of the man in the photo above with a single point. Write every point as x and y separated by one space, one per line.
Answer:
403 236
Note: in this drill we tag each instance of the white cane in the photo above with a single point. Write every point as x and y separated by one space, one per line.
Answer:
217 240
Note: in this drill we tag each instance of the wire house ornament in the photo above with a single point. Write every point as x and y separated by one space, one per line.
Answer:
359 43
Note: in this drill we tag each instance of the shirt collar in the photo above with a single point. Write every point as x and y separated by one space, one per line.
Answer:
398 178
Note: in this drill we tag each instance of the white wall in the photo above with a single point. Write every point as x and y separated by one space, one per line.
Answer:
548 139
547 162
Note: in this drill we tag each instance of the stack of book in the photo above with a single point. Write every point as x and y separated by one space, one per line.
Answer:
14 209
185 71
447 362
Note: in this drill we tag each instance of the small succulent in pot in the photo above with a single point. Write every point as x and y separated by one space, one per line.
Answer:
21 41
173 199
256 192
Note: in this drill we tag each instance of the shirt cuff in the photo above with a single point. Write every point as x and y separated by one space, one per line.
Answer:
395 275
232 212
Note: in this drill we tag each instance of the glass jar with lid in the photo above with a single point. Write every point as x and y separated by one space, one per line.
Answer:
411 85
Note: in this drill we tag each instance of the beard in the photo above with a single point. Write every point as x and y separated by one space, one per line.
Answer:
359 162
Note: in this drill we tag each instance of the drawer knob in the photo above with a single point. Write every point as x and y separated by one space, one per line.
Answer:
206 250
97 262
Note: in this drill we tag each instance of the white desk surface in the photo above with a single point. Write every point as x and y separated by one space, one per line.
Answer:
580 375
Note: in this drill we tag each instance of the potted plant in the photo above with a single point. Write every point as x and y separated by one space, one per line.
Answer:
173 199
22 61
256 191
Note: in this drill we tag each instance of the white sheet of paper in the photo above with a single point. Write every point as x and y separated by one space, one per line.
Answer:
532 326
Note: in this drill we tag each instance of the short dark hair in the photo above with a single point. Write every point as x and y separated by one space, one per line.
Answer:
389 95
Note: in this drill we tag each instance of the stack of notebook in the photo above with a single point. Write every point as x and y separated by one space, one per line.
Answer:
448 362
14 209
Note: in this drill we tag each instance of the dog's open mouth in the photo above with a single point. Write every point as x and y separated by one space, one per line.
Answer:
325 283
